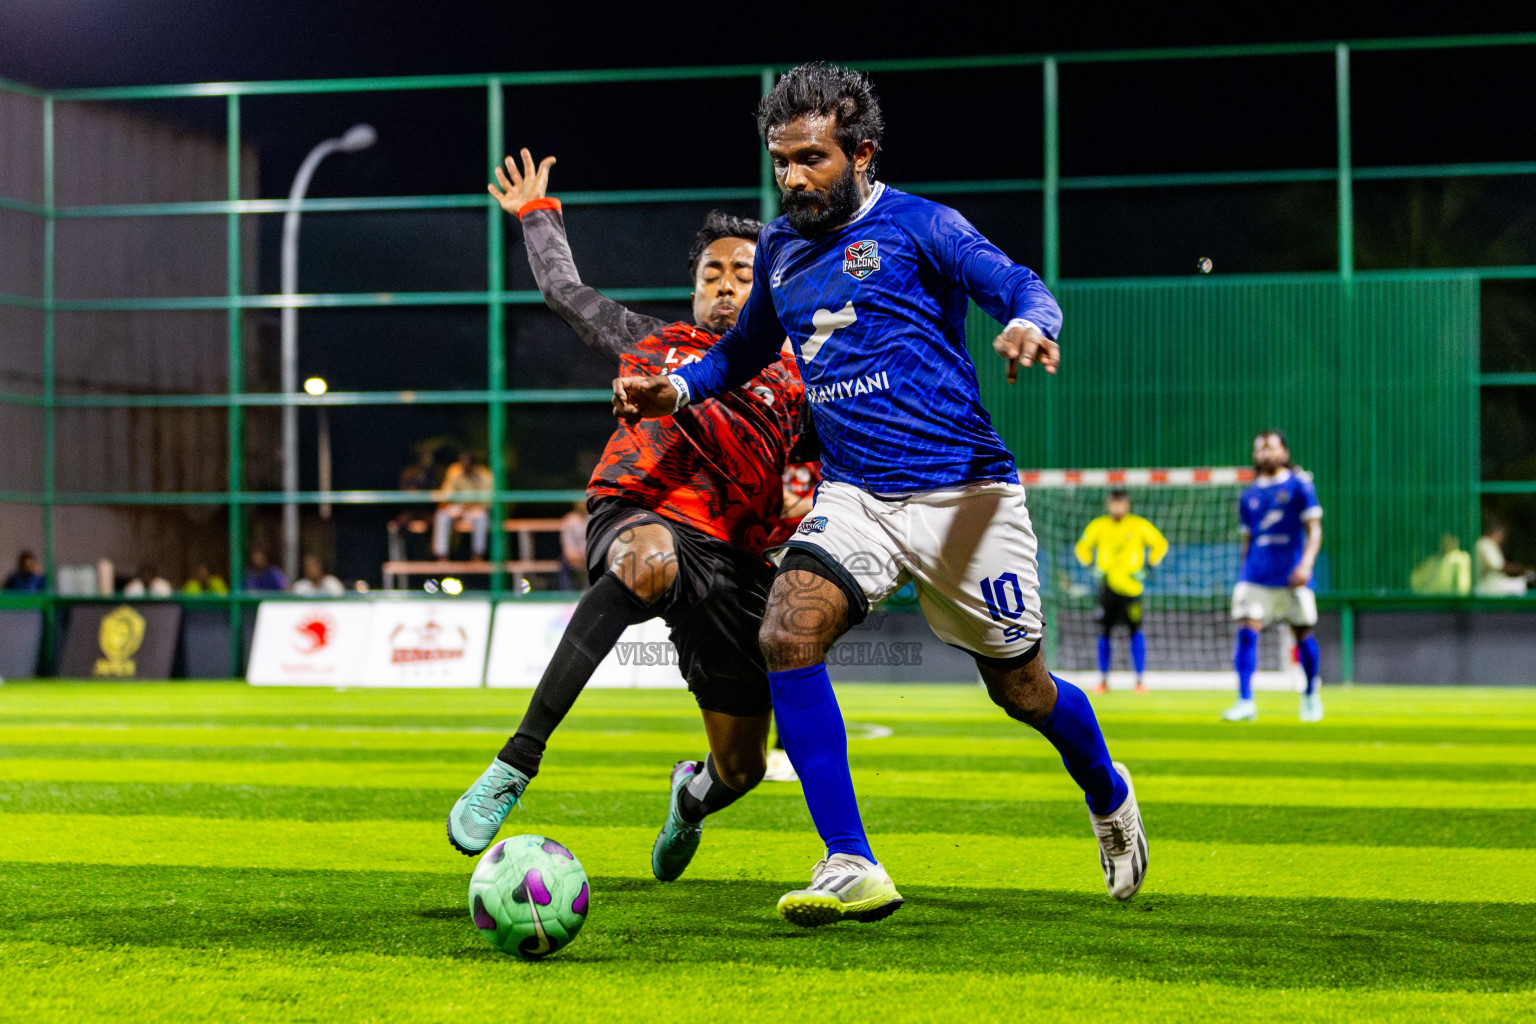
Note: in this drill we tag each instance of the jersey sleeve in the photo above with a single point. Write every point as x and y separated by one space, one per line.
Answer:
745 349
1086 543
1310 509
1157 544
1242 516
602 323
1005 289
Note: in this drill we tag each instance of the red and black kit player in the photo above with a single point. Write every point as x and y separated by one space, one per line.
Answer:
681 509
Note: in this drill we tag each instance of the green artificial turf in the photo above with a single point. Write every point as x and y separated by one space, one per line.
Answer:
218 852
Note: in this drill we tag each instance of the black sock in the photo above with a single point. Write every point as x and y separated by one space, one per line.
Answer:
705 794
601 617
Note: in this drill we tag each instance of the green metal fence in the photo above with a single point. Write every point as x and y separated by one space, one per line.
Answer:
1379 368
1374 380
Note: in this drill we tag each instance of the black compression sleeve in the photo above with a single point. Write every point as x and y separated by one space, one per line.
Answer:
601 617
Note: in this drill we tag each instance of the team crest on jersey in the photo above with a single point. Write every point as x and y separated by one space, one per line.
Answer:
861 259
815 524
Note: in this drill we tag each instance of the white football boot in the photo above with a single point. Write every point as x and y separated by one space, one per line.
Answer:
1122 842
842 885
1242 711
1311 707
779 768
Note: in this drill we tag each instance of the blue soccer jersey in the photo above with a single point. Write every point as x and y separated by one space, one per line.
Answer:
1274 512
876 312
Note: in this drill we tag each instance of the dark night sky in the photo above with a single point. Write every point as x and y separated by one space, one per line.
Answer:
61 43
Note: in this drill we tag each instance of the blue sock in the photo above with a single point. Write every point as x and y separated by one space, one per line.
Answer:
811 726
1139 652
1074 732
1246 660
1103 655
1308 653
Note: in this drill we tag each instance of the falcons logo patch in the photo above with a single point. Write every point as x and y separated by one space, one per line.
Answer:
861 259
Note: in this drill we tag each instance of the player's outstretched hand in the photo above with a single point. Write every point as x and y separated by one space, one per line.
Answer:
643 398
1026 346
520 187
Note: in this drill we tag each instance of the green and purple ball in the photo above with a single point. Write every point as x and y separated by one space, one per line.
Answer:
529 896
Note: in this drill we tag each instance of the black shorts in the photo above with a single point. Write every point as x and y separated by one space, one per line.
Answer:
1118 610
714 608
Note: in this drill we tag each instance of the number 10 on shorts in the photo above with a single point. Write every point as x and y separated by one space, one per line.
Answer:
1004 598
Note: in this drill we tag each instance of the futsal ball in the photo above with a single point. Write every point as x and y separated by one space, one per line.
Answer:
529 896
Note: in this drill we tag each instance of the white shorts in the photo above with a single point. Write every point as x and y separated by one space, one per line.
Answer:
970 551
1295 605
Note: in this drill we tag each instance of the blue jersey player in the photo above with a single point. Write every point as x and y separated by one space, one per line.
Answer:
1282 534
871 286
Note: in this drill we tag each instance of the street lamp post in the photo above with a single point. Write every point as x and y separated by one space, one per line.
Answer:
359 136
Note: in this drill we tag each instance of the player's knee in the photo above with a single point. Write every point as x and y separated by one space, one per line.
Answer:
1019 705
790 639
1026 695
741 769
646 569
785 648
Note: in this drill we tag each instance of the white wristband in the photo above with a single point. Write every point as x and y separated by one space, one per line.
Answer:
1021 322
684 395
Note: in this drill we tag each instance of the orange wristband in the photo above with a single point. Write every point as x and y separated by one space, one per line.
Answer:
547 203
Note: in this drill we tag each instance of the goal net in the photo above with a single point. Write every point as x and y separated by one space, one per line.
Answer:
1187 601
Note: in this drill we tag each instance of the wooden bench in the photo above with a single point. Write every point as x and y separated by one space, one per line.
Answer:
523 564
521 567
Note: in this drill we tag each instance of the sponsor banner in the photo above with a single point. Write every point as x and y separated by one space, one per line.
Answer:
428 643
525 633
121 641
310 643
21 641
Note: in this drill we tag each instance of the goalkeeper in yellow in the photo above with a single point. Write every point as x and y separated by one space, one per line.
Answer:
1120 547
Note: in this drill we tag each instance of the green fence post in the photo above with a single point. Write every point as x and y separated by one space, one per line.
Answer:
1052 223
51 612
1346 165
496 354
1051 181
1347 642
235 415
767 184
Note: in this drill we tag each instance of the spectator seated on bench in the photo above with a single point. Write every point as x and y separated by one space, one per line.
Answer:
464 497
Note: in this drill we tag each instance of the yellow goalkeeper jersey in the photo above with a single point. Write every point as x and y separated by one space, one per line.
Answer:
1120 549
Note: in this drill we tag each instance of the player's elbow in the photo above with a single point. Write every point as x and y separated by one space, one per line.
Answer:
561 299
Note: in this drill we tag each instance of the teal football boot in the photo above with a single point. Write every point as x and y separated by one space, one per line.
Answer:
478 814
678 839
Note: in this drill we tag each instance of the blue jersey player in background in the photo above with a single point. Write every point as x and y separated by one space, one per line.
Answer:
1282 534
871 286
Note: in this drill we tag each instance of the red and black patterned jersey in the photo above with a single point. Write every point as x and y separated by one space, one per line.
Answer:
800 479
716 465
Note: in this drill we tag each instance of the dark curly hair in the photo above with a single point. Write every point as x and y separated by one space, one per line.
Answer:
717 225
820 89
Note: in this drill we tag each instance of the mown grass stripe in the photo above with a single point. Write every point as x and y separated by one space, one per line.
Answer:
1360 872
305 915
559 759
997 786
782 808
579 735
44 982
1397 714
